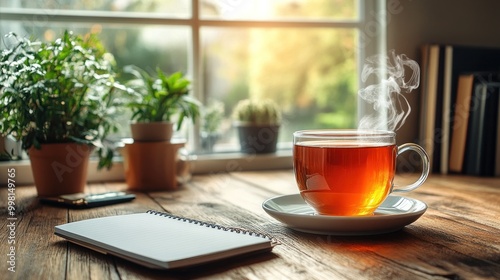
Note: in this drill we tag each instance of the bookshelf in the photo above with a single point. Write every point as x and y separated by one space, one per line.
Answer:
460 116
445 22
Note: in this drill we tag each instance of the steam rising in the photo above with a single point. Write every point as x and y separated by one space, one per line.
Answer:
390 106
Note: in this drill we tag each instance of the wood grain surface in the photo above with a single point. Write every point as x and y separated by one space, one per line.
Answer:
457 238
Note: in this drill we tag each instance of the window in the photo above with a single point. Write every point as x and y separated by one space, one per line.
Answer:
305 54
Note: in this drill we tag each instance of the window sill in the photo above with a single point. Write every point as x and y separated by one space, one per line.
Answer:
201 164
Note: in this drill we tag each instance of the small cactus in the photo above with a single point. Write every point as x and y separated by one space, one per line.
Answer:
257 112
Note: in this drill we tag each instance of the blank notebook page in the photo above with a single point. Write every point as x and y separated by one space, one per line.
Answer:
158 239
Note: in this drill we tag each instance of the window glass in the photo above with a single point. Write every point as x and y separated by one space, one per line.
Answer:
279 9
176 8
147 46
310 72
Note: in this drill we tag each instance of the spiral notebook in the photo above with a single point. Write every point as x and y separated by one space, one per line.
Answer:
163 241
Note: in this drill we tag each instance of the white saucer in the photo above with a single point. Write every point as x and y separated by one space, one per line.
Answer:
394 213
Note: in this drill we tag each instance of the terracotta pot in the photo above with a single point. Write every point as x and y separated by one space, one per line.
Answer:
2 146
60 168
151 166
151 131
258 139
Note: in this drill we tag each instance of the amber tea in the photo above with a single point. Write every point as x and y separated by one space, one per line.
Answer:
344 179
348 173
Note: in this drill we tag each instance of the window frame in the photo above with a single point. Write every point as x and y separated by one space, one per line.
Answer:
371 25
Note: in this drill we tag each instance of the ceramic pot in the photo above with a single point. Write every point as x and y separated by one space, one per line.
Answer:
60 168
208 141
152 131
151 166
258 139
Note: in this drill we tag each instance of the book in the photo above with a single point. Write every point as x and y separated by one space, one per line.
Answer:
473 151
497 148
481 134
437 134
163 241
446 114
460 123
430 54
490 130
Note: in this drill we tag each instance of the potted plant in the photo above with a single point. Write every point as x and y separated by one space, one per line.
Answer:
58 98
159 102
258 123
212 117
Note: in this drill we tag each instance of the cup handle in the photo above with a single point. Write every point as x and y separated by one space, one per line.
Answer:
425 166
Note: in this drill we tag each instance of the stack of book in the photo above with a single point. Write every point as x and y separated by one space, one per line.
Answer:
460 116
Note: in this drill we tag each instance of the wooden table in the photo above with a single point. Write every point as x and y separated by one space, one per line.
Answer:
457 238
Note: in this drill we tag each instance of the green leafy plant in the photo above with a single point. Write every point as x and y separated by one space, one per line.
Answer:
58 92
257 112
212 117
161 97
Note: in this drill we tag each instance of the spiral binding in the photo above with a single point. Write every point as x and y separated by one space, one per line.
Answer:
215 226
